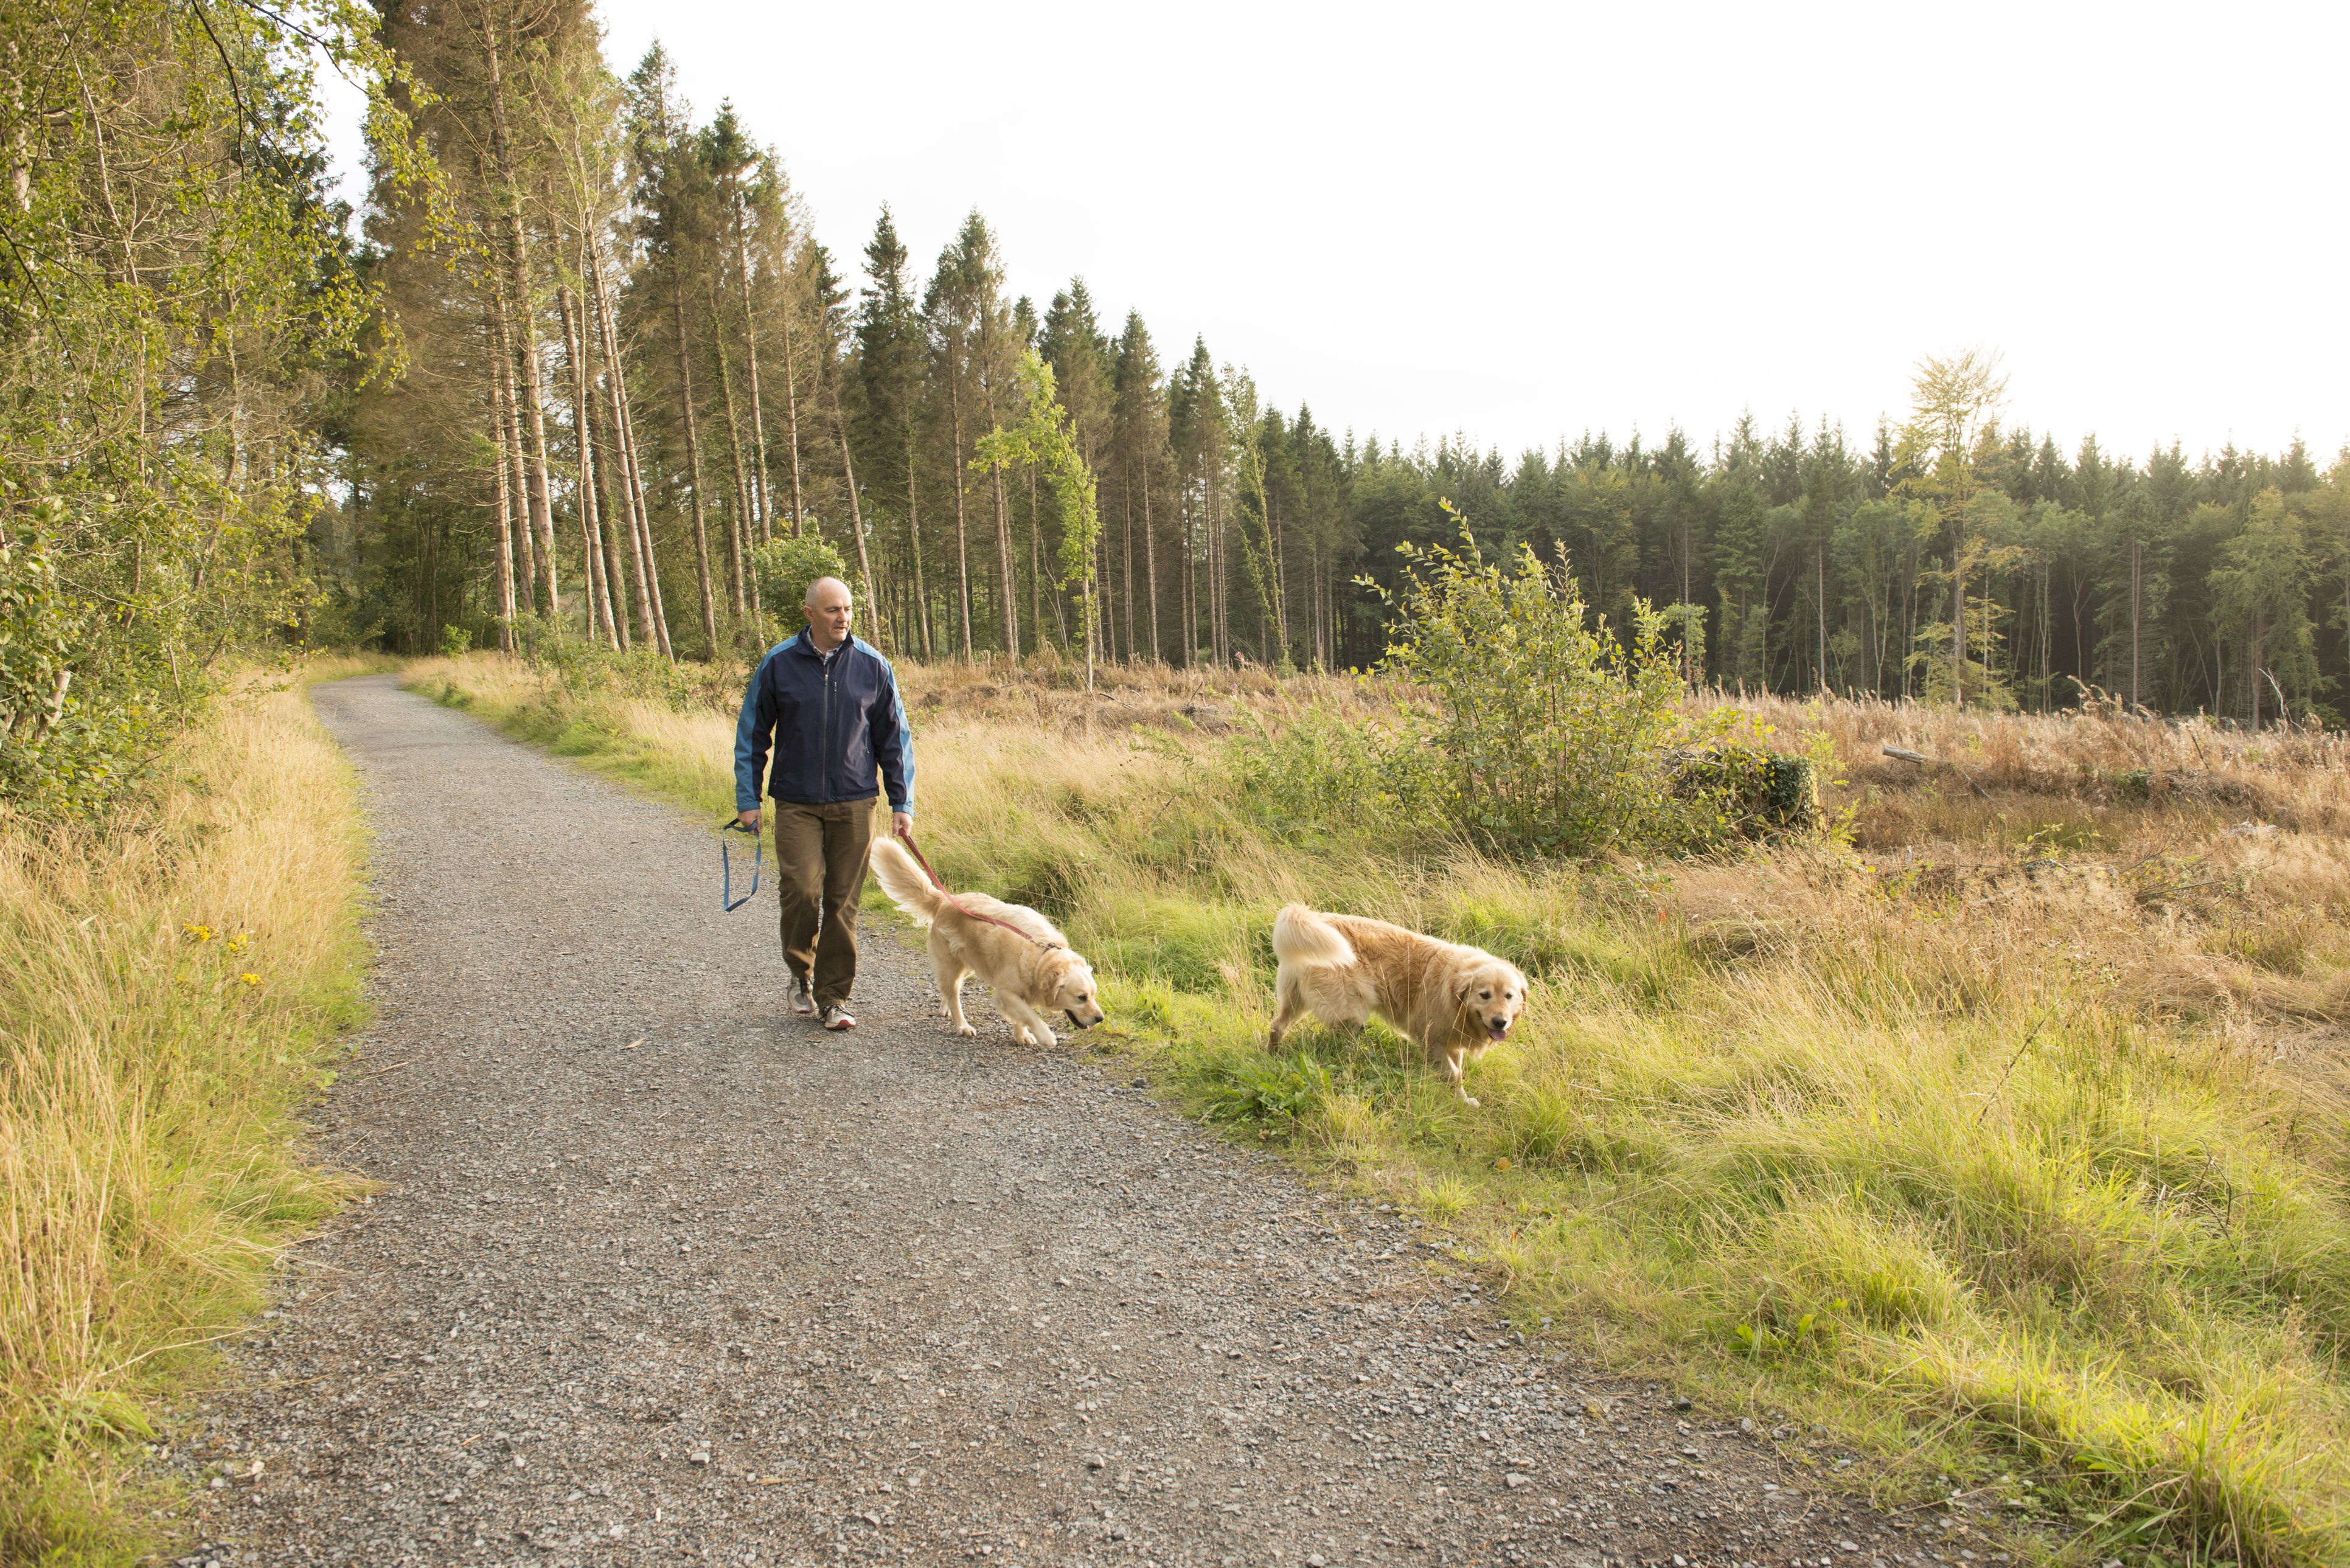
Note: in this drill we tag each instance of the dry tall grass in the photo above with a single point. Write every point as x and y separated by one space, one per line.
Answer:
175 984
2006 1141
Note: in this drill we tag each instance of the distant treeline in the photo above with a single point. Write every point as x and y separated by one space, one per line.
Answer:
694 376
587 367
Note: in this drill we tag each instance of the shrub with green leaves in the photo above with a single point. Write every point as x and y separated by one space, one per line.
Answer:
785 567
1322 772
1552 732
1760 793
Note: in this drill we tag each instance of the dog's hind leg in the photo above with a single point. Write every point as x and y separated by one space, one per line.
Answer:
1290 1000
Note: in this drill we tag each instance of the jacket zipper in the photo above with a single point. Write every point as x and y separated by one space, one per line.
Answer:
824 769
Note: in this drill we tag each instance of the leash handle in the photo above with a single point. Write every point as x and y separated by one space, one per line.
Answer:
726 868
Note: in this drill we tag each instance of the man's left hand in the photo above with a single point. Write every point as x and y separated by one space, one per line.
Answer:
901 823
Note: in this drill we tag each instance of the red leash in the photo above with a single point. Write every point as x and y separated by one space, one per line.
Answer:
911 848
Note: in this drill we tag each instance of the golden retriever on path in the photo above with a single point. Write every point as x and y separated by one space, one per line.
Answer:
1456 1003
1029 966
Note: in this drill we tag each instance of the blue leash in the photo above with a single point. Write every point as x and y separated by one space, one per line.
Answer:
726 869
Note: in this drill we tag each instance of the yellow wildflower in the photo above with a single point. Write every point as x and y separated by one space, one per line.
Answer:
201 933
250 979
236 944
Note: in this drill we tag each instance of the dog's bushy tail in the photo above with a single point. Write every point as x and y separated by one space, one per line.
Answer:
904 882
1301 936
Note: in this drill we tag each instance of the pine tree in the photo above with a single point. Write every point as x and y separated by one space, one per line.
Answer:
1200 434
2260 594
1953 409
668 191
890 354
1069 339
962 308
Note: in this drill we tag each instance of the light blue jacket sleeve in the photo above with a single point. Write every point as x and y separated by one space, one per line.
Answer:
893 743
753 733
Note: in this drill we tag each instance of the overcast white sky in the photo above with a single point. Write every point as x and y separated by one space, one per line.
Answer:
1525 221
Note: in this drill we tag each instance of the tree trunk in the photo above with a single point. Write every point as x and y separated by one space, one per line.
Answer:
1959 620
856 507
914 535
1037 562
505 559
1278 653
740 517
1011 585
1220 582
751 348
1129 589
591 534
531 408
2254 665
962 541
2137 583
1820 587
692 458
510 437
652 625
612 495
1188 589
792 408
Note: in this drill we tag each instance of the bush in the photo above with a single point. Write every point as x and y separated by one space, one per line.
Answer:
784 569
82 710
1325 771
1553 734
1759 793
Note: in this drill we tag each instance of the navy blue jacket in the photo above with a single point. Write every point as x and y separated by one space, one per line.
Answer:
834 725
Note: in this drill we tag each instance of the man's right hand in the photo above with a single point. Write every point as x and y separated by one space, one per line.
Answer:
749 819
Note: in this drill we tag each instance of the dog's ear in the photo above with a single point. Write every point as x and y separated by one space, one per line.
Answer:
1056 968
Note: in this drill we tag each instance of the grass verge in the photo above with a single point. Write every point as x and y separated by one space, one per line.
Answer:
179 980
2006 1148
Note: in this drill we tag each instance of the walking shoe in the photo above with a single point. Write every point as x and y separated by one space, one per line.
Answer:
837 1017
803 1001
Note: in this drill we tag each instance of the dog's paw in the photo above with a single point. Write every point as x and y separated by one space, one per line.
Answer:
966 1030
1468 1099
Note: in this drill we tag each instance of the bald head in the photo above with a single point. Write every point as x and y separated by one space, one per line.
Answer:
826 607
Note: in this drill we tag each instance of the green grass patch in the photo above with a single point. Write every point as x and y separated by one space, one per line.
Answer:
1923 1173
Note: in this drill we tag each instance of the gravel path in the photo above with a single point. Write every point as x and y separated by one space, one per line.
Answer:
656 1272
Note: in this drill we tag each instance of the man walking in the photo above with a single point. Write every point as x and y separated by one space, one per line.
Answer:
829 704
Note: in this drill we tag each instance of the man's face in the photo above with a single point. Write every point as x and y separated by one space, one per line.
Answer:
828 616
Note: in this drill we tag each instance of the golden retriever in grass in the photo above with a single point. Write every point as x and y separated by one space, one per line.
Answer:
1030 968
1455 1003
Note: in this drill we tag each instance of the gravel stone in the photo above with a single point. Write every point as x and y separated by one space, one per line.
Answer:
749 1293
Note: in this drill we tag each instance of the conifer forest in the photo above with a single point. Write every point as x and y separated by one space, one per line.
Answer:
580 369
